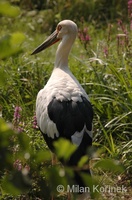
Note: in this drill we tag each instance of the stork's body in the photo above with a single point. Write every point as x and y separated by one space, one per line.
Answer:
62 107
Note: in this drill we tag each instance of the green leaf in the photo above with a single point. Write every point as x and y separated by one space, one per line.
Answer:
7 9
5 154
83 161
10 44
17 38
64 148
55 179
3 77
92 183
16 183
110 165
8 187
42 156
4 127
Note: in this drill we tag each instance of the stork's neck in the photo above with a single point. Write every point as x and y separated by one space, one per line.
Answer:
63 51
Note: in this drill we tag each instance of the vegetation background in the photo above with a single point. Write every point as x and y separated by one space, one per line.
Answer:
101 59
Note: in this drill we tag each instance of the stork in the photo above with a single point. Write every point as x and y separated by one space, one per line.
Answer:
63 109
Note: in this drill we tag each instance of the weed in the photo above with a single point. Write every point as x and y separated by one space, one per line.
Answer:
101 61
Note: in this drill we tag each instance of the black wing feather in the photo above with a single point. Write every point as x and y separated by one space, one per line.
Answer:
70 116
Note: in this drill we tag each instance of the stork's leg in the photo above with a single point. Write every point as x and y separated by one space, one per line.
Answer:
54 159
68 196
52 198
84 196
54 162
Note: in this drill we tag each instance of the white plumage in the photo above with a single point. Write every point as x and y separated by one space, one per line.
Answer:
64 87
62 106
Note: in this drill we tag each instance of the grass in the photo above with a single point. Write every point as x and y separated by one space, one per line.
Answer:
103 67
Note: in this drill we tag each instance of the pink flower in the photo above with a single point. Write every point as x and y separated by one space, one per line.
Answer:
27 167
130 12
83 35
17 115
35 126
105 51
17 124
131 25
18 165
129 8
19 129
119 22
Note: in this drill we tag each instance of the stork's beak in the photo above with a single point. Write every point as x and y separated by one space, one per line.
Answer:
52 39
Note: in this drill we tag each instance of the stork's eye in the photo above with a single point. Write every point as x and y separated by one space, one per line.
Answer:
59 27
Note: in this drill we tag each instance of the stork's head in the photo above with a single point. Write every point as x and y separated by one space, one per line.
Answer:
65 28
